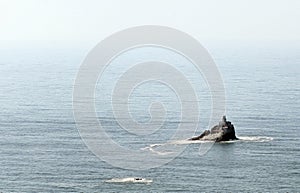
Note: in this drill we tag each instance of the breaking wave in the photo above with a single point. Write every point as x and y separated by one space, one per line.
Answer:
166 148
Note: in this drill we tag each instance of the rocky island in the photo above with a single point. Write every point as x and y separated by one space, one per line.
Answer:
222 132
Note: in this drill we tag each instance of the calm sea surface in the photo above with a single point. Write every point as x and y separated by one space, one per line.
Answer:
41 149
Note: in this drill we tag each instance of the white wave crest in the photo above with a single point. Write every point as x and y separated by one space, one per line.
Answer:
164 148
255 139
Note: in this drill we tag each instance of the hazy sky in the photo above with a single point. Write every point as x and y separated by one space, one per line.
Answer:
89 20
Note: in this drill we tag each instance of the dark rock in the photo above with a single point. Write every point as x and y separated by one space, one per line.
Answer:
222 132
205 133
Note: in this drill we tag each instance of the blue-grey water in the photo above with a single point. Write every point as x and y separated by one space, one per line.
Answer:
41 149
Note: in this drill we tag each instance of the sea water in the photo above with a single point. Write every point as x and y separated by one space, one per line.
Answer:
41 149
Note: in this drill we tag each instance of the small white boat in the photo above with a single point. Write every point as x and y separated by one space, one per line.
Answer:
129 180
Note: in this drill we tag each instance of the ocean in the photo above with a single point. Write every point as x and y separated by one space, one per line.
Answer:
41 149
